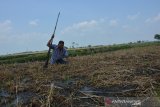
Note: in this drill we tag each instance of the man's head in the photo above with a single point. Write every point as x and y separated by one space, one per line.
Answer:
61 44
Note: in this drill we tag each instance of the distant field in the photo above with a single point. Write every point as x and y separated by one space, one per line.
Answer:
41 56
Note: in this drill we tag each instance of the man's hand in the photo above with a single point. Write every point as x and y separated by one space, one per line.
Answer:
49 43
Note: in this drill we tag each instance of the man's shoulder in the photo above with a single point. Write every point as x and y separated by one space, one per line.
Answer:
54 46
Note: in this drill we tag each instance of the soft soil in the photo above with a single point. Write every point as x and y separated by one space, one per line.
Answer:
85 81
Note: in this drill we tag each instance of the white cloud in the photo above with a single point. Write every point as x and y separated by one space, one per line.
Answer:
86 24
34 22
102 20
5 26
125 26
30 41
81 26
5 31
131 29
133 17
88 27
148 20
157 18
153 19
113 22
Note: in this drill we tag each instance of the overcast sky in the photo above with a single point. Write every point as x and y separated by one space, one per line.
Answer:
26 25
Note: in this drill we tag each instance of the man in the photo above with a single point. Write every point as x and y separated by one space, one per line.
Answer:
59 52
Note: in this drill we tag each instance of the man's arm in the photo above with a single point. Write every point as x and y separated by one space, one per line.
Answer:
49 44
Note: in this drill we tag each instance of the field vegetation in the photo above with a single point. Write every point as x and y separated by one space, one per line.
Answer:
41 56
125 70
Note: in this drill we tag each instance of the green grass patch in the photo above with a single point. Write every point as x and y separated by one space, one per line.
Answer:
8 59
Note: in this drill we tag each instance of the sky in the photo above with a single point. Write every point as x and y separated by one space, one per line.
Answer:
27 25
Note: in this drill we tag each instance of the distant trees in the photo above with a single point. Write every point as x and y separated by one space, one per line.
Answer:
157 36
74 44
89 46
139 41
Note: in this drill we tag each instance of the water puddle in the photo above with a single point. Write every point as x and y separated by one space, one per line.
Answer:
110 91
83 96
4 97
4 93
23 98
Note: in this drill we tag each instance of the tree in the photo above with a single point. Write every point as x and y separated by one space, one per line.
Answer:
89 46
139 41
157 36
73 44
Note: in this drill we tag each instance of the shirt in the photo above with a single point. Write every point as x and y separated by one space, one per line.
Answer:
57 53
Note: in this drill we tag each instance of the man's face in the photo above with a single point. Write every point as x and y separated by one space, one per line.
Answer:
60 46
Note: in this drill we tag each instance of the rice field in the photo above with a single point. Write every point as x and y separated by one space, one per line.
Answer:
85 81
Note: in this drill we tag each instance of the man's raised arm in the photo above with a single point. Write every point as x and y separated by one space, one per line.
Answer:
49 44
